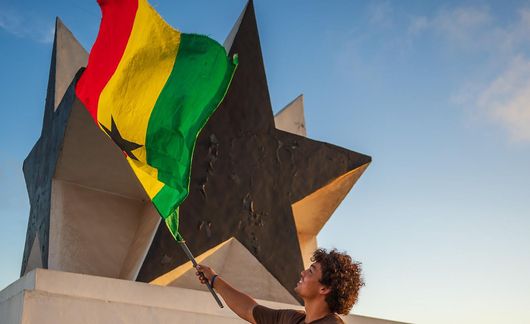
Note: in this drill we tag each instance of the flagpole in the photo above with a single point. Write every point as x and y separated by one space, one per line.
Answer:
187 251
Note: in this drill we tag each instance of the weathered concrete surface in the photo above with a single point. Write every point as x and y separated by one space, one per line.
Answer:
52 297
39 168
247 174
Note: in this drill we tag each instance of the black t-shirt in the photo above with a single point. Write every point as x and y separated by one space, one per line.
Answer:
264 315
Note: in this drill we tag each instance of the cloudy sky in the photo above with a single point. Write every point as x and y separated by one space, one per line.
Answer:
437 93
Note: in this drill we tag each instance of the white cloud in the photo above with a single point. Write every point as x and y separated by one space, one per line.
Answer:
506 100
475 28
463 19
497 89
21 26
516 35
461 26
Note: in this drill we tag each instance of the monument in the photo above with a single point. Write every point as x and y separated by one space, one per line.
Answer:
260 192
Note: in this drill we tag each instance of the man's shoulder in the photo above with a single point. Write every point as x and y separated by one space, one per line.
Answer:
330 319
264 315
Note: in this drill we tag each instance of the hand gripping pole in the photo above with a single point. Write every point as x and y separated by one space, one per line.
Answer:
187 251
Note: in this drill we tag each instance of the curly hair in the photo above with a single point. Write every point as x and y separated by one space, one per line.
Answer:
343 276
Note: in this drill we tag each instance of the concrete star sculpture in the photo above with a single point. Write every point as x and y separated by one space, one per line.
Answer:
257 183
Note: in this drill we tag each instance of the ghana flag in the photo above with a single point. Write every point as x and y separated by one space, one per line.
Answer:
151 89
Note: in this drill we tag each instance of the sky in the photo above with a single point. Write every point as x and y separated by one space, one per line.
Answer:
438 93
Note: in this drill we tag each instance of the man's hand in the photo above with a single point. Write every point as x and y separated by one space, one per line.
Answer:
239 302
204 273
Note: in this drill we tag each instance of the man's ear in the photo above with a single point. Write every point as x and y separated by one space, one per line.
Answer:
324 290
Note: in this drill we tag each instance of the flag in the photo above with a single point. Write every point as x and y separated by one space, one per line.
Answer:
151 89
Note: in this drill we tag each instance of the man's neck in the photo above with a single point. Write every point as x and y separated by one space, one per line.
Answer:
315 309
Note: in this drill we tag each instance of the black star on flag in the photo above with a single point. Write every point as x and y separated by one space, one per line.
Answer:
126 146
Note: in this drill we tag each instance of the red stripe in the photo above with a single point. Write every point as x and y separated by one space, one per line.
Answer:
114 31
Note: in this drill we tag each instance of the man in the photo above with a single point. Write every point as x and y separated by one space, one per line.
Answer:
330 286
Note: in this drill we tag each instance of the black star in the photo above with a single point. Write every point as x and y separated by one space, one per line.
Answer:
247 175
126 146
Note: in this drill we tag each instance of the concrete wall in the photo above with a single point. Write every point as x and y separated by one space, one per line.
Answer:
91 230
52 297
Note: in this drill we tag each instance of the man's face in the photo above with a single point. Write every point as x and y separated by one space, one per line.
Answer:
309 285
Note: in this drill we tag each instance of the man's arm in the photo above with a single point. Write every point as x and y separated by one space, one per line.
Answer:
240 303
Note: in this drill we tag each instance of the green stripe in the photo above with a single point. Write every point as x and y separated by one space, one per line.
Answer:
196 86
165 199
164 202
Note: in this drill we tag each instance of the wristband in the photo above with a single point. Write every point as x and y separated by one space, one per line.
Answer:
213 280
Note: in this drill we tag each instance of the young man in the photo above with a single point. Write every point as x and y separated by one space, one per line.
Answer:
330 286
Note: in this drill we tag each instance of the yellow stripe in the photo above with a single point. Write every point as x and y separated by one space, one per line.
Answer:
147 176
131 93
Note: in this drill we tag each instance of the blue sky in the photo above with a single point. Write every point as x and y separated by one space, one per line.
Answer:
438 93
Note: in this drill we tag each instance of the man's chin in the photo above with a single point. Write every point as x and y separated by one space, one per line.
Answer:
298 292
297 289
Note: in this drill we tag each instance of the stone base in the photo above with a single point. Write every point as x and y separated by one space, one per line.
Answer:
52 297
